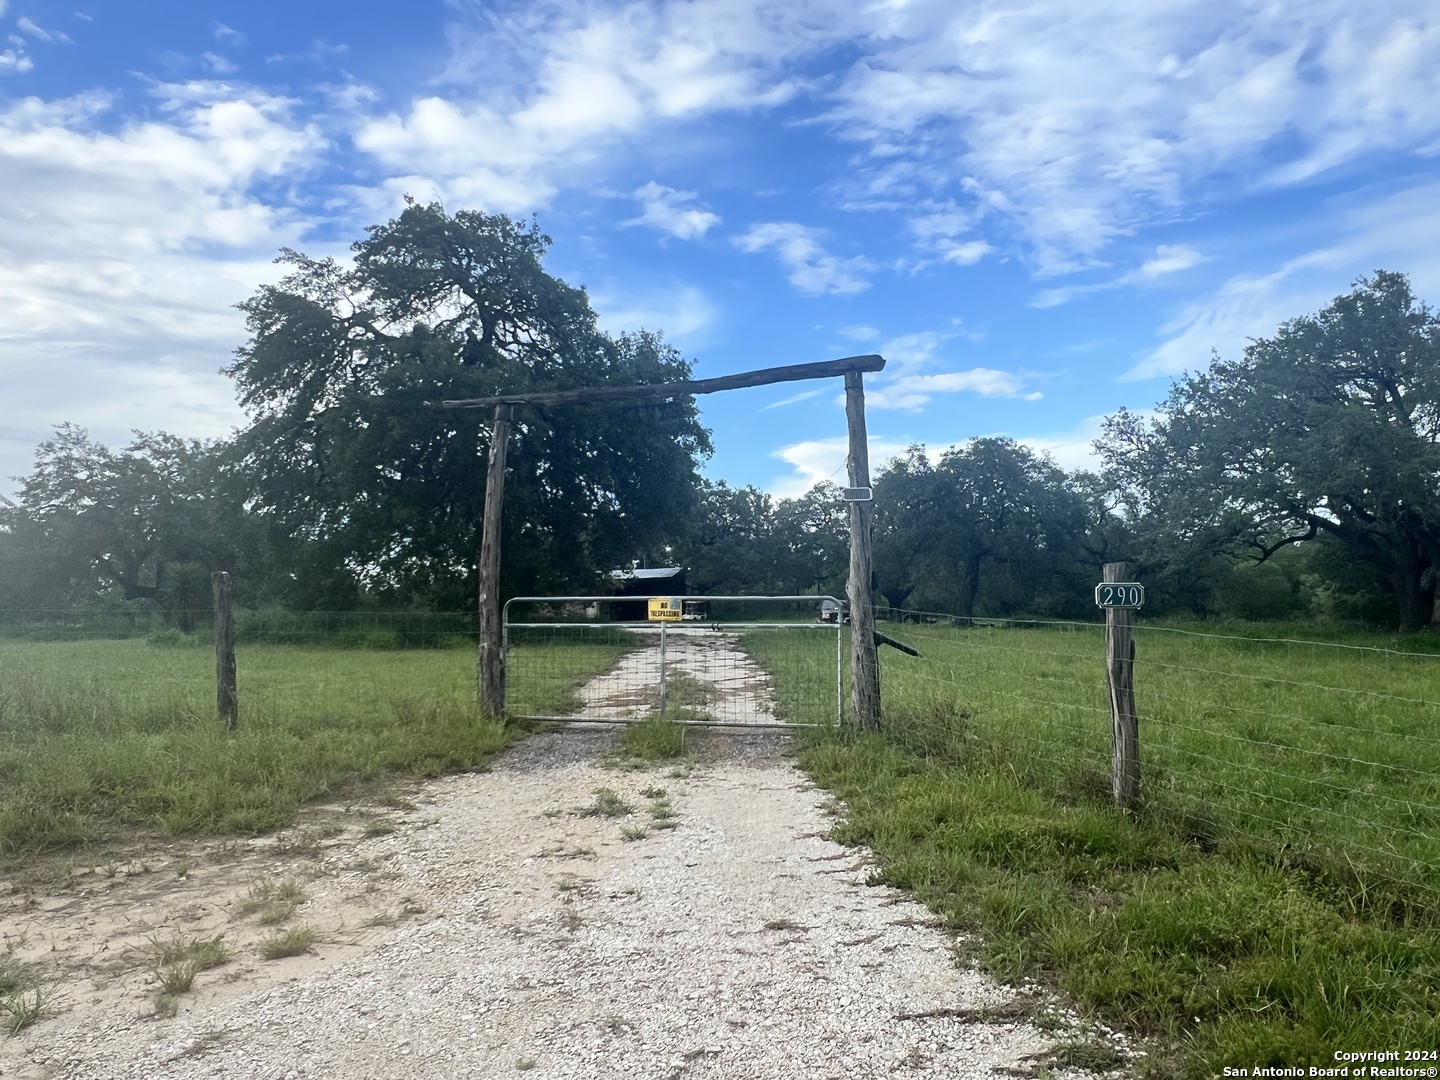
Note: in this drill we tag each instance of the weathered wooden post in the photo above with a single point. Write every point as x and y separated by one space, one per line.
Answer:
491 658
1120 672
864 668
226 699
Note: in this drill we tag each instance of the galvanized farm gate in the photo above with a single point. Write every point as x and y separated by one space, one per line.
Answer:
708 661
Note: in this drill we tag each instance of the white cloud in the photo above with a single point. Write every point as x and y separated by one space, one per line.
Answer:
1082 123
966 254
122 264
1072 449
1169 259
551 88
1062 126
28 27
936 227
816 461
229 35
218 63
663 208
803 395
911 392
682 313
810 268
1395 233
859 332
15 62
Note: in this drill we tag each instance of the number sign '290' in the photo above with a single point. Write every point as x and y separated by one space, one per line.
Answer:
1119 594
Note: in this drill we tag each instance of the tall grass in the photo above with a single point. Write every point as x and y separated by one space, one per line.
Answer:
94 733
1276 897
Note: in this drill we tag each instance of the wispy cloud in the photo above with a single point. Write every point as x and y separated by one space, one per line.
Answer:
1060 128
536 93
682 312
912 392
1081 124
816 461
219 64
810 268
25 26
1394 233
804 395
1168 259
664 208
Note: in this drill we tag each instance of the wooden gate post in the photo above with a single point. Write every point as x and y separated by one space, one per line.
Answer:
1120 672
226 698
864 669
491 659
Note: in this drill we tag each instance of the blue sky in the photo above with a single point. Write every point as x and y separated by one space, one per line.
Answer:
1038 213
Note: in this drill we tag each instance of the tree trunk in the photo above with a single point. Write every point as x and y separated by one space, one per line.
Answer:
1407 580
970 584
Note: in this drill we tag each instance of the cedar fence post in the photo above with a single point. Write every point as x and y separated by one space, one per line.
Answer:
1120 672
864 668
491 659
226 700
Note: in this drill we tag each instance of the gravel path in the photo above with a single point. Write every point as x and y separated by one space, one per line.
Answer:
739 691
738 943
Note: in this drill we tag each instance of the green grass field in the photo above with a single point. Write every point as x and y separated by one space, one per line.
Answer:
1275 898
97 733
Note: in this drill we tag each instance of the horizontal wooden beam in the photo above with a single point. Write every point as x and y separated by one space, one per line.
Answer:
639 391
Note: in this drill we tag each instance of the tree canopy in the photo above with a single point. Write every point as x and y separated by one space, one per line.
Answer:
989 517
1331 427
348 454
145 523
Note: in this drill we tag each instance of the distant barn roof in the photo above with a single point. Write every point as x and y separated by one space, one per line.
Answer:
655 573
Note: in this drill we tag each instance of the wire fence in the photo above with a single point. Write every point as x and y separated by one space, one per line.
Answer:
713 663
194 627
1328 752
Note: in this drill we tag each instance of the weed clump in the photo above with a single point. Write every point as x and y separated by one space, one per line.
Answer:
271 901
292 942
23 1008
655 738
608 803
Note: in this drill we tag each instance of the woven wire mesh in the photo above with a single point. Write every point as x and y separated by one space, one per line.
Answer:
715 670
1325 751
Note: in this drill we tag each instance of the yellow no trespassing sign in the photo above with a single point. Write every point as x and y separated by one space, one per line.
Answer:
665 609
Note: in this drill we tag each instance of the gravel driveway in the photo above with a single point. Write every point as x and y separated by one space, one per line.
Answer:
711 931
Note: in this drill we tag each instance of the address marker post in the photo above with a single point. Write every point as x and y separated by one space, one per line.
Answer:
1120 597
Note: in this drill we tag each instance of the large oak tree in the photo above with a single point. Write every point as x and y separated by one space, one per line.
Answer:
1331 427
383 490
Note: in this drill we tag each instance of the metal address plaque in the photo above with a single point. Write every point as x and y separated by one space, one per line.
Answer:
1120 594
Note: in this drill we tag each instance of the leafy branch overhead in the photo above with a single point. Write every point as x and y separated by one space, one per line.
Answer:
344 367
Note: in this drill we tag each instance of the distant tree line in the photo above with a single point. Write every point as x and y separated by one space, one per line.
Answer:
1299 481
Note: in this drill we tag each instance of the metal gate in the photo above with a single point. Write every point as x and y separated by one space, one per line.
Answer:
713 661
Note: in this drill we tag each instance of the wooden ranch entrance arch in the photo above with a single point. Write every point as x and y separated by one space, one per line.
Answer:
865 675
